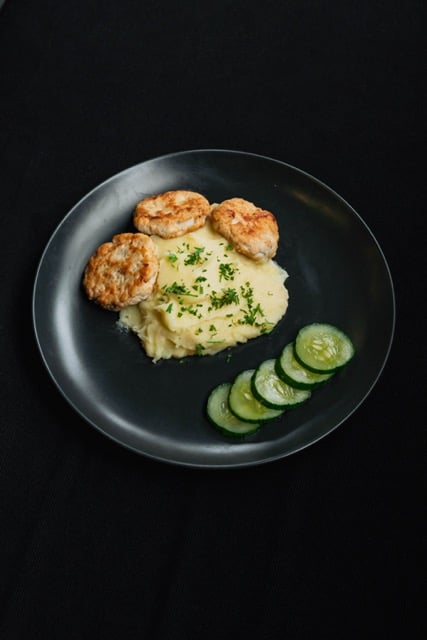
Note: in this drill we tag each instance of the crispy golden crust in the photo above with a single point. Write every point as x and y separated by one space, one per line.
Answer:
252 231
171 214
122 272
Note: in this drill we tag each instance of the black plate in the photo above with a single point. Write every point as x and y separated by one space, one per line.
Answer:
337 274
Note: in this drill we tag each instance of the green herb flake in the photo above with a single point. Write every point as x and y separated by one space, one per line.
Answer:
195 257
177 290
191 310
199 349
253 312
172 257
228 296
227 271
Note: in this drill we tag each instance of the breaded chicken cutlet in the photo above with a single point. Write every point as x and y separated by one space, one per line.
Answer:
171 214
252 231
122 272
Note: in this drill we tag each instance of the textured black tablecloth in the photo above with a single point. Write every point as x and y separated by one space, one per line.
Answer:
98 542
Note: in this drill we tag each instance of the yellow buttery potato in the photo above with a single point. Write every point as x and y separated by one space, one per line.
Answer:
208 297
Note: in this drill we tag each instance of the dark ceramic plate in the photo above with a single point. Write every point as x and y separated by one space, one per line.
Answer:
337 274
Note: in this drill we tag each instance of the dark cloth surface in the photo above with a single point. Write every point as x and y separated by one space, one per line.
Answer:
98 542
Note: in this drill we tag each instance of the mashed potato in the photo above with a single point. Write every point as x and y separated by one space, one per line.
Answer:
208 297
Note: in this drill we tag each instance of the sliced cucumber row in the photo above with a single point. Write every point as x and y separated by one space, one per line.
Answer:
257 396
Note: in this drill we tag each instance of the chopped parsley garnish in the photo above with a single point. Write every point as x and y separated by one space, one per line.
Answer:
172 257
195 257
253 313
228 296
227 271
177 289
247 293
250 315
191 310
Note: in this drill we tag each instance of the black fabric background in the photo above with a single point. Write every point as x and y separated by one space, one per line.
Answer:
98 542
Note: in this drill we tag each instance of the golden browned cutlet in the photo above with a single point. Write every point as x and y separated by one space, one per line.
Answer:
171 214
252 231
122 272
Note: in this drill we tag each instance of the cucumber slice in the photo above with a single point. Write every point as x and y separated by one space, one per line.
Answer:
243 403
273 392
322 348
293 373
221 417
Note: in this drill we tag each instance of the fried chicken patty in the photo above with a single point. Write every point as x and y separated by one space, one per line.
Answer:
171 214
252 231
122 272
